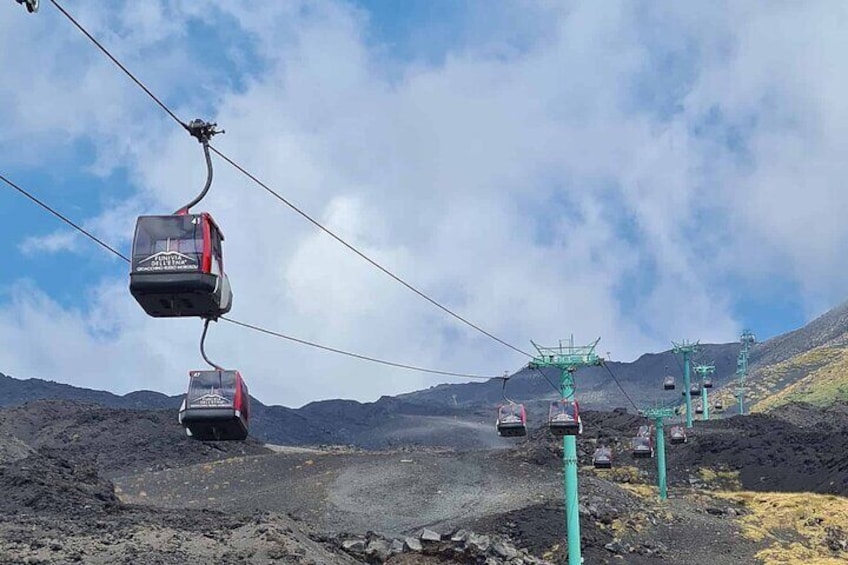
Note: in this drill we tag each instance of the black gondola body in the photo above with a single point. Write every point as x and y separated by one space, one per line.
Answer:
564 418
708 383
643 447
695 389
177 267
216 406
668 383
602 458
512 420
677 435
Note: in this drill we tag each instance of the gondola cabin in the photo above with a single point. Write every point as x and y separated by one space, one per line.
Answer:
695 389
643 447
178 268
216 406
602 458
512 420
677 435
699 408
644 431
564 418
668 383
719 405
708 383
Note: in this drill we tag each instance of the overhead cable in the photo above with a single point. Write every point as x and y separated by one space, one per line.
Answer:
117 253
279 196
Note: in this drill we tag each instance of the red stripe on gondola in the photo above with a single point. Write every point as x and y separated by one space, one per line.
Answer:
206 264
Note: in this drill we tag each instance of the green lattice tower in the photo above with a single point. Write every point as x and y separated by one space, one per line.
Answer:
686 349
747 339
658 415
703 372
568 358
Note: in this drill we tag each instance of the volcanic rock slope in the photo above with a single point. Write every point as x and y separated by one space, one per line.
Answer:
178 500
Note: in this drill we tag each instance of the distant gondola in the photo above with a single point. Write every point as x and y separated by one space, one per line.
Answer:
216 406
668 383
708 383
677 435
719 405
177 267
699 408
602 458
564 418
695 389
643 447
512 420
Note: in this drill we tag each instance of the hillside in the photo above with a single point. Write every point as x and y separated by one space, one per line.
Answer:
103 485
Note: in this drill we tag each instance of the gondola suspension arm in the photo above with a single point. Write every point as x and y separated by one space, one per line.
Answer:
203 131
203 346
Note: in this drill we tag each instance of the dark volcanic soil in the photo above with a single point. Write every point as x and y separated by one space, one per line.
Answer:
118 440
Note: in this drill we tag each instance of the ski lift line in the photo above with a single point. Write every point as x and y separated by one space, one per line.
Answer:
118 63
65 219
274 193
624 392
356 355
544 376
117 253
362 255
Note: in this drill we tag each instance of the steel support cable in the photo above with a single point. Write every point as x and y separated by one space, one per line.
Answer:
118 63
65 219
544 376
362 255
277 195
617 382
117 253
355 355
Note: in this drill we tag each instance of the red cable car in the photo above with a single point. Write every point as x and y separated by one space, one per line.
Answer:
216 406
602 458
643 447
177 267
512 420
564 418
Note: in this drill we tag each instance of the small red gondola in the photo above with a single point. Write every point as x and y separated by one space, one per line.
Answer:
677 435
216 406
512 420
564 418
668 383
177 267
643 447
602 458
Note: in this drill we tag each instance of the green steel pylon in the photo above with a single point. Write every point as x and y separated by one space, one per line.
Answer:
747 339
686 349
658 415
568 358
704 371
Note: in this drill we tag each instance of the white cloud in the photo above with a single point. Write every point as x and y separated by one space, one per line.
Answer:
541 189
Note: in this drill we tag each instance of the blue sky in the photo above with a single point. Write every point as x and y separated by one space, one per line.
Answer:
637 173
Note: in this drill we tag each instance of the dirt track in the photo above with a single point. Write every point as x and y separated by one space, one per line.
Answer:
391 493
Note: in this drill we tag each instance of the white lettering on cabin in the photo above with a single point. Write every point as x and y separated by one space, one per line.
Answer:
167 261
211 400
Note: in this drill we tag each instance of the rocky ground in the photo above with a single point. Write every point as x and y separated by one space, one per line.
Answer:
83 484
